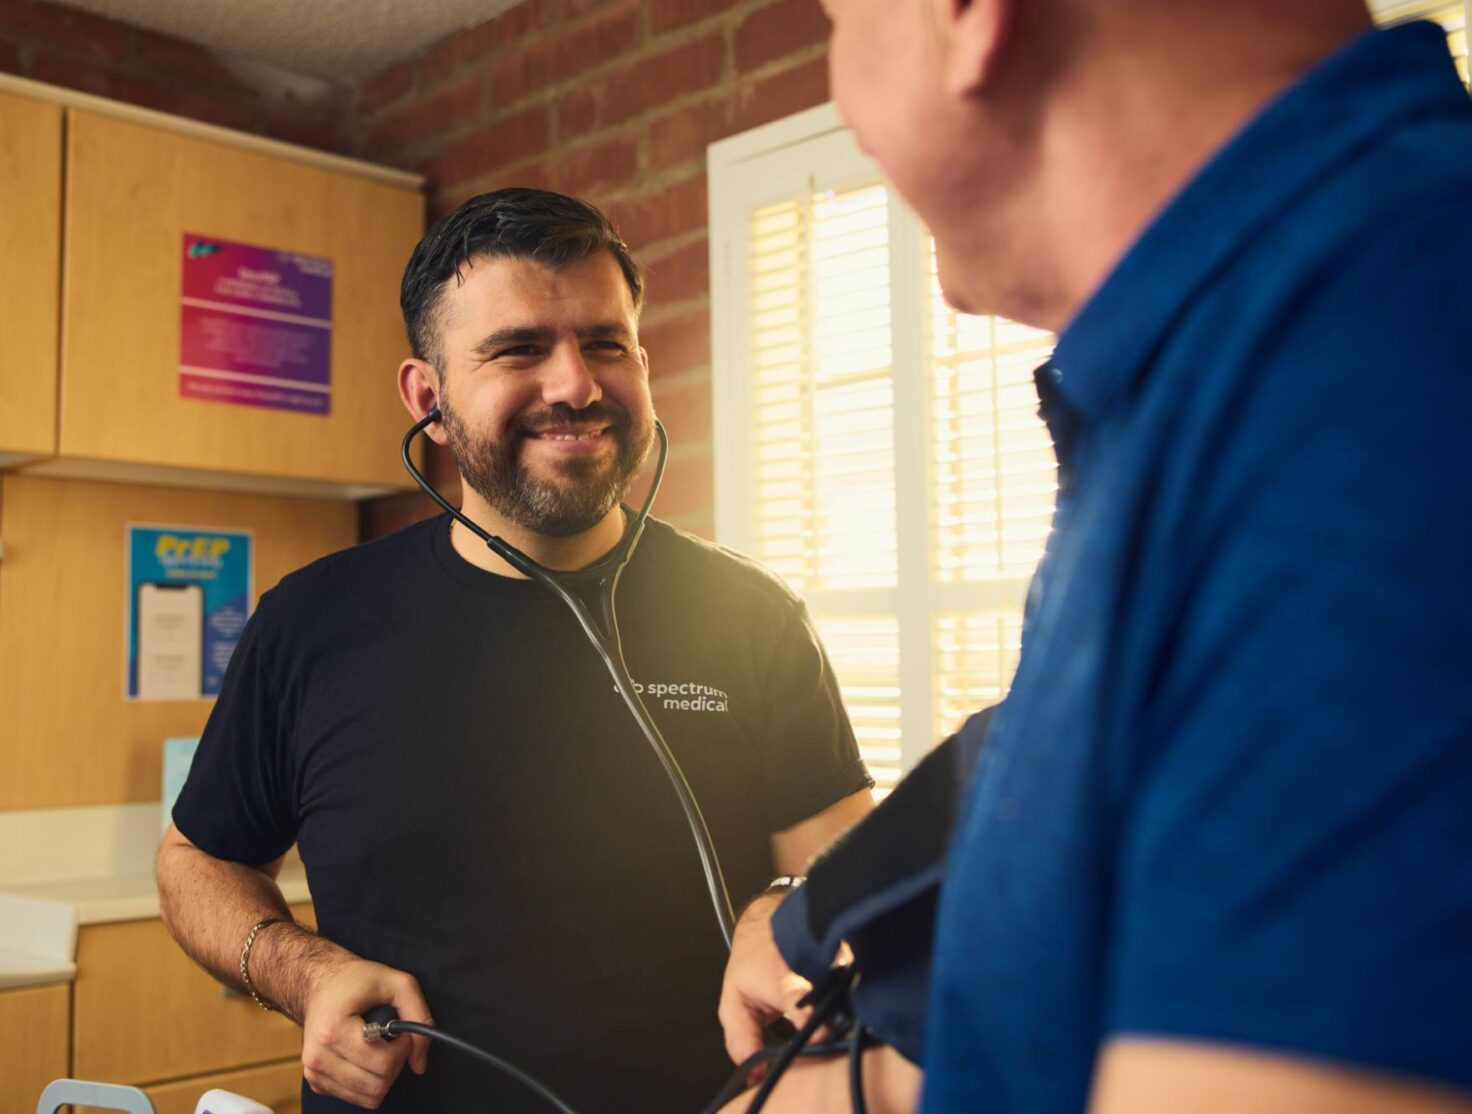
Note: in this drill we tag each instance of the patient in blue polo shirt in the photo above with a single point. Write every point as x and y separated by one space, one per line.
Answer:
1215 852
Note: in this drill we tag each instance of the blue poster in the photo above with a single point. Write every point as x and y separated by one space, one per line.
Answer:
189 593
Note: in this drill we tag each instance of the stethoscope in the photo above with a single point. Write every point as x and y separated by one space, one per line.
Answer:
589 594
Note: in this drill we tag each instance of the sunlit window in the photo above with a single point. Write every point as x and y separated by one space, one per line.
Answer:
823 418
1452 16
880 451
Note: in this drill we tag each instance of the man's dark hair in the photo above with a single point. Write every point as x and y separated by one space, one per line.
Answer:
550 228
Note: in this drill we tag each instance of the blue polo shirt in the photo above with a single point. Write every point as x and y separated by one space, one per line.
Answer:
1229 797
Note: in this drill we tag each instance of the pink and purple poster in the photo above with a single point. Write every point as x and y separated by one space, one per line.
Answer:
255 326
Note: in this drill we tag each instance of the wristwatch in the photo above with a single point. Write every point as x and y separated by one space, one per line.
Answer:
785 882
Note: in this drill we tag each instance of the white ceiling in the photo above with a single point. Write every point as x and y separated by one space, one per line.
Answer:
341 40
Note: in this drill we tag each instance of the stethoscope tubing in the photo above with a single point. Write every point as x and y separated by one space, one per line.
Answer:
604 576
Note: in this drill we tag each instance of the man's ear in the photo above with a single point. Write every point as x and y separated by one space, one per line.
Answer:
419 389
974 33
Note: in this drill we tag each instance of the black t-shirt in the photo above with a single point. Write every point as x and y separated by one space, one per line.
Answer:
474 804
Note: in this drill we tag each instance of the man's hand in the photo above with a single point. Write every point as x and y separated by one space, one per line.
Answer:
209 904
891 1086
336 1060
759 987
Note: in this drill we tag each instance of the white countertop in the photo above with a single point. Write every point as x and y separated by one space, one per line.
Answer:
39 920
131 898
18 969
40 916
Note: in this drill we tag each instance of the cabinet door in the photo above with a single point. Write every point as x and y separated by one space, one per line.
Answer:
275 1086
33 1029
68 735
133 192
30 261
179 1021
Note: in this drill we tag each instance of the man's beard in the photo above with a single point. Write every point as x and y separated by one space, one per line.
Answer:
582 492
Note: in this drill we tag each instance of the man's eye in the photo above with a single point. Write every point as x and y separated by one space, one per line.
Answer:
607 345
518 350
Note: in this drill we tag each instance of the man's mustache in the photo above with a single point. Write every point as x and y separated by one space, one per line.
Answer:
560 414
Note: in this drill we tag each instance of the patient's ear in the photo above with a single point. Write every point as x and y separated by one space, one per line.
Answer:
974 34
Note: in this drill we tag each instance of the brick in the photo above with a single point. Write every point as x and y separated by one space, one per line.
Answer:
444 202
380 517
321 131
649 218
681 275
642 85
664 15
439 467
385 87
143 91
682 136
700 523
575 8
165 56
539 175
685 408
477 43
782 94
445 111
602 167
681 344
507 141
689 485
777 31
533 175
76 31
567 54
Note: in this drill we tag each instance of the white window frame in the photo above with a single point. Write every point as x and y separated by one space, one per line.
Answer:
813 151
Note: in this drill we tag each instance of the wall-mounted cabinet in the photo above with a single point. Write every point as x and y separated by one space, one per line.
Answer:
68 733
133 193
119 227
30 260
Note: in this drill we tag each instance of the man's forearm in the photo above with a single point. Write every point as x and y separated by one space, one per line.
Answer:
209 906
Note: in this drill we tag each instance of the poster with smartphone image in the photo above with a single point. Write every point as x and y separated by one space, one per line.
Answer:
189 592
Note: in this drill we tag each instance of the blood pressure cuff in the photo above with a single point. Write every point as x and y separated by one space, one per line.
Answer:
877 888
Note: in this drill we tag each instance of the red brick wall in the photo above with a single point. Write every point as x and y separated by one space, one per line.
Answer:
63 46
614 100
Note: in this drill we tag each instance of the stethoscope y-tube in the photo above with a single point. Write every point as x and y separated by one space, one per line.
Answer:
589 595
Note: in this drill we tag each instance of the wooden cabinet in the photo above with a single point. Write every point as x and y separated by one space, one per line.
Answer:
143 1012
277 1086
68 735
132 192
33 1038
30 260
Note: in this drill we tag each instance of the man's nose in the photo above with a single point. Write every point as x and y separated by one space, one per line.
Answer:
568 379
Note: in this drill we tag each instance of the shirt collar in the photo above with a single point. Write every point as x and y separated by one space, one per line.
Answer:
1377 81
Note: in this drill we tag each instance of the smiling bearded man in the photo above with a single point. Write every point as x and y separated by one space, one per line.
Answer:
486 832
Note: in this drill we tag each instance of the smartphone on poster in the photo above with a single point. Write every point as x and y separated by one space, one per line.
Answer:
170 641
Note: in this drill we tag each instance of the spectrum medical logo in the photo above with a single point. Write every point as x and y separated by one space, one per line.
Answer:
686 696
